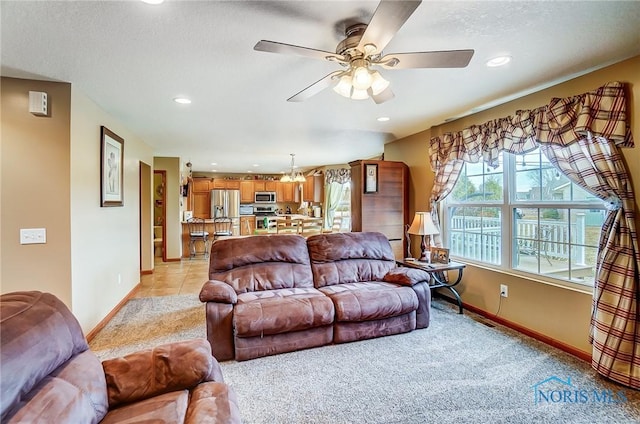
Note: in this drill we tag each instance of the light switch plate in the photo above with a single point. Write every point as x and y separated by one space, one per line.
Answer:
33 235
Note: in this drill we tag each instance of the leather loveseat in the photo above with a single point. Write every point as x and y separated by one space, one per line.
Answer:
281 293
49 375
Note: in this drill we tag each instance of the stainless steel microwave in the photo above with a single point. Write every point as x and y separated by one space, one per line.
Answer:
265 197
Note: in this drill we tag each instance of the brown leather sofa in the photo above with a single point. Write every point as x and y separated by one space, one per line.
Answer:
49 375
281 293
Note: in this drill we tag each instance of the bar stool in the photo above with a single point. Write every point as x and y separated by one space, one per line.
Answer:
196 234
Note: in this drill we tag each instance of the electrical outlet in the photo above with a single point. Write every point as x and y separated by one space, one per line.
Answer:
504 290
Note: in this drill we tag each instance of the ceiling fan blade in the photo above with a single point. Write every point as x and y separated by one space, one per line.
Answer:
315 88
386 21
387 94
441 59
275 47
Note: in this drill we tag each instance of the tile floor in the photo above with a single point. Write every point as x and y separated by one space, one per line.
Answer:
171 278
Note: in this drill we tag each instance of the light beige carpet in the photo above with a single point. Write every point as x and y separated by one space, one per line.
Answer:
459 370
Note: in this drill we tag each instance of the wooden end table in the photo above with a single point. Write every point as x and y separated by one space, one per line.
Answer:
438 279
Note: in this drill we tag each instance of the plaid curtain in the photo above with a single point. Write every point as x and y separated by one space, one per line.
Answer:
581 136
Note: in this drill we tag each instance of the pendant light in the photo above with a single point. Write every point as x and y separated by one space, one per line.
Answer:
293 176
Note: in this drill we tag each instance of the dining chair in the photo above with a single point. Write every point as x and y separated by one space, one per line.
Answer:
311 226
287 226
222 227
197 233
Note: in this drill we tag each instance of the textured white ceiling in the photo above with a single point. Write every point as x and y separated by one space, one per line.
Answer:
132 59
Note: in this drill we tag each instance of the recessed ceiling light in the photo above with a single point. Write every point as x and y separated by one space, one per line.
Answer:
383 119
214 170
213 163
153 1
249 171
255 164
182 100
498 61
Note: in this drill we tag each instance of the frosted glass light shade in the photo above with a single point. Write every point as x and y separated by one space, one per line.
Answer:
343 87
378 84
359 94
361 78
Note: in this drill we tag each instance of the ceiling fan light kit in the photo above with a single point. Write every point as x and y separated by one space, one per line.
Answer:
362 48
359 83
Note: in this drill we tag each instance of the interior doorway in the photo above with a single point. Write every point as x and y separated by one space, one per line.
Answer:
160 215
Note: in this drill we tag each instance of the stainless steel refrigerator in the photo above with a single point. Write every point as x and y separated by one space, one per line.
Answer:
227 203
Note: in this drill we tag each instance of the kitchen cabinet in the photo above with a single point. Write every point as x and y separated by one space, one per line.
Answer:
247 225
199 200
202 185
313 189
264 185
246 191
385 210
225 184
285 192
201 205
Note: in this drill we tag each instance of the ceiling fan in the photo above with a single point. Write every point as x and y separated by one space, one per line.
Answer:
361 49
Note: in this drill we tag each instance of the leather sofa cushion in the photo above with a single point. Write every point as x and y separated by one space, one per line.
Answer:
72 393
340 258
162 369
167 408
37 329
407 276
371 300
281 311
261 263
212 402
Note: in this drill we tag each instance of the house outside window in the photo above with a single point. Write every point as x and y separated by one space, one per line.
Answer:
344 208
524 216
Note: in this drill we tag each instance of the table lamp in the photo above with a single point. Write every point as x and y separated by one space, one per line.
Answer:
423 225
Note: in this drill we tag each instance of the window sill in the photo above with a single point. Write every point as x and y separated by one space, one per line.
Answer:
576 287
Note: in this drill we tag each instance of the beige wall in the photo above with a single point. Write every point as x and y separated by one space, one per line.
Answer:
35 188
105 241
173 206
557 312
51 179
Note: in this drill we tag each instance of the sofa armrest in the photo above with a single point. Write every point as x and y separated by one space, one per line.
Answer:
406 276
218 291
165 368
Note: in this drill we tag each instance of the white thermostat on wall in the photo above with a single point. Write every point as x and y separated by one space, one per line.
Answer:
38 103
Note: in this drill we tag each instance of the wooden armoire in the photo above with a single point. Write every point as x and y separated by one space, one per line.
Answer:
380 200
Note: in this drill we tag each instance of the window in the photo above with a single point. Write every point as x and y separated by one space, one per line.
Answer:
524 216
344 208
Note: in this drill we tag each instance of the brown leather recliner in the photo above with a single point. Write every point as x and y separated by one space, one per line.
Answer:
49 375
280 293
260 298
372 296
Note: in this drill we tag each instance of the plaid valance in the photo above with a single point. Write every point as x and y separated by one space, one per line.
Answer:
600 113
341 175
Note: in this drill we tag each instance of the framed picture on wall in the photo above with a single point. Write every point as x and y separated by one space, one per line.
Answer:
111 168
371 178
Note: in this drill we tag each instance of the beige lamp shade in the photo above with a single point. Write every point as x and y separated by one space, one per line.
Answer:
423 224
